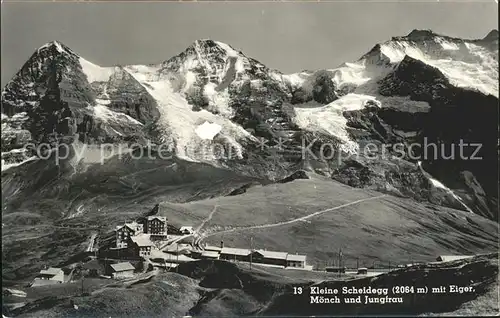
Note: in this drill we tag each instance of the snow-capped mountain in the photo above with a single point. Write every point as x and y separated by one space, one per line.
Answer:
213 104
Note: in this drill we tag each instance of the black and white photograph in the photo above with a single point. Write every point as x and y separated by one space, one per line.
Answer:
249 158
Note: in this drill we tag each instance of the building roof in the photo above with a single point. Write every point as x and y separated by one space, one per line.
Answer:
160 218
449 258
51 271
213 248
211 254
119 227
43 282
131 225
170 257
296 257
272 254
134 224
177 247
189 228
120 267
235 251
142 240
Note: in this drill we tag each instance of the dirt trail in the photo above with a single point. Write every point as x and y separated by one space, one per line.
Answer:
92 240
300 219
207 219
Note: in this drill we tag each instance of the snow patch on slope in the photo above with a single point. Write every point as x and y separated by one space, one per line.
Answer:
218 102
107 115
207 130
230 51
437 184
447 45
239 65
6 166
294 80
329 119
95 73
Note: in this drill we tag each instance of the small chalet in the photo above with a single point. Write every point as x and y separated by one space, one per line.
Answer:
49 276
213 248
186 230
235 254
125 232
142 245
209 255
450 258
296 260
121 270
269 257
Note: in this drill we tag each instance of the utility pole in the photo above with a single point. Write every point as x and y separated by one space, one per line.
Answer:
82 284
340 262
177 245
251 250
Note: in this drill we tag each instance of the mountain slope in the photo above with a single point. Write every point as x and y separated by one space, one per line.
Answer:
213 104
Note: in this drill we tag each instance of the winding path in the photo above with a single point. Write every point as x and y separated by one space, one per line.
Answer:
300 219
208 218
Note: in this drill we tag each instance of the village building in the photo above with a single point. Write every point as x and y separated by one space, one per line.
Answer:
142 245
235 254
296 260
269 257
209 255
282 259
213 248
125 232
49 276
336 269
156 226
186 230
178 248
121 270
450 258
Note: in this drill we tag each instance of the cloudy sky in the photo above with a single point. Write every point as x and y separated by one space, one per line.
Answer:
286 36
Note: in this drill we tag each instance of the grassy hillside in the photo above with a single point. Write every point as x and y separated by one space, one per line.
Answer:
49 212
381 229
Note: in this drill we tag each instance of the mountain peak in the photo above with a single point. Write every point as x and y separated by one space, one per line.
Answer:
492 35
206 52
57 46
420 34
209 45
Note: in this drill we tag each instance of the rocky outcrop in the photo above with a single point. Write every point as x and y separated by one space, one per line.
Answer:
318 87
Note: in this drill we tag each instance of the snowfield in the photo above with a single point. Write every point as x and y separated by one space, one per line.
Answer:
107 115
180 124
207 130
95 73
